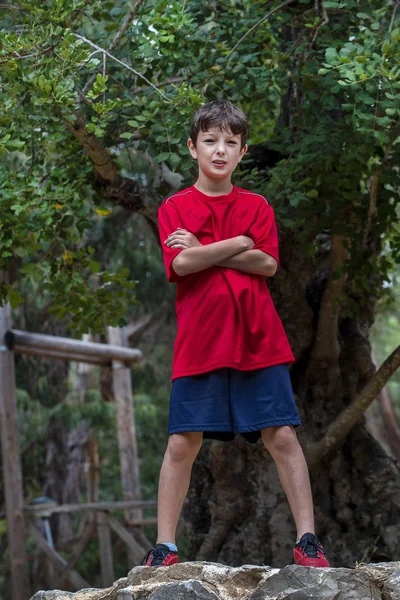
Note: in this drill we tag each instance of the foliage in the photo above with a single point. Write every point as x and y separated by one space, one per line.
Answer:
141 99
83 258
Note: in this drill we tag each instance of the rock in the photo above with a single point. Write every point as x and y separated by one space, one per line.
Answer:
306 583
391 589
185 590
386 576
212 581
226 582
52 595
85 594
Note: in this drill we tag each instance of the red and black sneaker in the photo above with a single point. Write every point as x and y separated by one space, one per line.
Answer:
160 555
308 552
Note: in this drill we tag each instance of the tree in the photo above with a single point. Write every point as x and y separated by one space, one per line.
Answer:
96 106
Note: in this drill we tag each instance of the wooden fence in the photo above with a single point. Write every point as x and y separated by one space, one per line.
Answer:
102 523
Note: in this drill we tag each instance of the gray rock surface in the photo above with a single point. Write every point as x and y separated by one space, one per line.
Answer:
305 583
386 576
213 581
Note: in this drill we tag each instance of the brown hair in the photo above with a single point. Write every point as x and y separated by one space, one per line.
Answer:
222 114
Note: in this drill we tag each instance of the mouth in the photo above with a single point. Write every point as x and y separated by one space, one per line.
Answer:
219 163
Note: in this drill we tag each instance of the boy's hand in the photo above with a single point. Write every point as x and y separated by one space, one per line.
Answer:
181 238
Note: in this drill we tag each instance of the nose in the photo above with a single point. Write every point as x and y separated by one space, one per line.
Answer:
221 147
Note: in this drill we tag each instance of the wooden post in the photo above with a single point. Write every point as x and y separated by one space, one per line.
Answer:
77 580
128 452
106 557
12 472
135 548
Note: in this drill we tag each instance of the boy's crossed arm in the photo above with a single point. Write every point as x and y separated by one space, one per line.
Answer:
234 253
252 261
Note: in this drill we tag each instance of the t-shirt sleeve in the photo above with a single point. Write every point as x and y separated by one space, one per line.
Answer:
263 231
168 221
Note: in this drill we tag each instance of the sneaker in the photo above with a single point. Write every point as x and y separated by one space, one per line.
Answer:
308 552
160 555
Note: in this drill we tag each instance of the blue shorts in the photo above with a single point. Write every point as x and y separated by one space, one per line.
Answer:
227 401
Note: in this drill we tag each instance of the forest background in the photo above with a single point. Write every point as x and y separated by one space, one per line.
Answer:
96 103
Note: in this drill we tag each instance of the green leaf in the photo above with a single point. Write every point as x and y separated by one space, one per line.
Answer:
94 266
331 54
33 270
174 160
162 157
14 297
13 145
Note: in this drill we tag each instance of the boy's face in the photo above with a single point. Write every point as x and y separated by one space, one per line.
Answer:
217 151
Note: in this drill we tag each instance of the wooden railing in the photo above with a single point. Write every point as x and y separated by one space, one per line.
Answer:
103 523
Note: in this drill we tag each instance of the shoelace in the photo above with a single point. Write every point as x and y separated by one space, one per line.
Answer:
311 546
158 553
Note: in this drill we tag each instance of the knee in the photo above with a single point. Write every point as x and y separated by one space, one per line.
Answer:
280 439
184 447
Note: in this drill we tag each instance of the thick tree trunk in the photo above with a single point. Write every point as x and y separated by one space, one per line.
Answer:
237 512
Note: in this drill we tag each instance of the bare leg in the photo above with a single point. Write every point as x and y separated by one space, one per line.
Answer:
174 481
292 468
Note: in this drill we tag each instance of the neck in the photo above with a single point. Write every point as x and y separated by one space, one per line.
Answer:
213 187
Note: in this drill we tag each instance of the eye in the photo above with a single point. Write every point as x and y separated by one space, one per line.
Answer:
208 140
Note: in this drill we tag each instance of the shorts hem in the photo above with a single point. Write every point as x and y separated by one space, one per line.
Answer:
182 428
243 429
264 424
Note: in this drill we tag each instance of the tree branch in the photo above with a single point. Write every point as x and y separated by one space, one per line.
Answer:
350 416
161 84
374 192
104 166
324 21
122 191
11 7
372 202
120 62
136 329
326 347
17 56
260 22
391 428
118 37
396 6
125 25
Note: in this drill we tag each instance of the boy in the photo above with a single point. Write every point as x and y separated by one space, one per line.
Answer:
230 372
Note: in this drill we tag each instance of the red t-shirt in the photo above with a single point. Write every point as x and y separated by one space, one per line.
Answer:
225 318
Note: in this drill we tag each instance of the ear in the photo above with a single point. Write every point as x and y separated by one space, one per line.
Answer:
192 149
243 152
